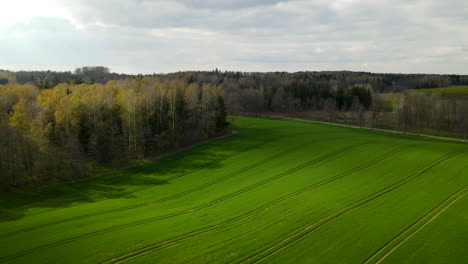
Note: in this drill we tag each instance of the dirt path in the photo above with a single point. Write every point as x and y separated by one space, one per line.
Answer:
352 126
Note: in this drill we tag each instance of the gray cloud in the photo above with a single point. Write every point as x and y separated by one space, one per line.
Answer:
263 35
215 4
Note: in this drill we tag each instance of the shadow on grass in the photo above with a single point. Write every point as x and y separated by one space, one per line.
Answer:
127 183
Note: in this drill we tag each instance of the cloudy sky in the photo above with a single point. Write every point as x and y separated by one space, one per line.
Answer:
146 36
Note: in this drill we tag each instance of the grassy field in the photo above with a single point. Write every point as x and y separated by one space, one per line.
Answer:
453 91
278 191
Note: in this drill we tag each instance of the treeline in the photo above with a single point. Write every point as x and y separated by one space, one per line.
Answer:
50 79
408 112
281 92
302 84
272 91
58 133
312 81
358 98
301 91
421 112
347 97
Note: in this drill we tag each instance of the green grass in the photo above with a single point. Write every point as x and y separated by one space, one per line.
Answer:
279 191
446 92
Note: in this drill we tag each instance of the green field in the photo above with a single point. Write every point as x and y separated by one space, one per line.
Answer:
446 92
278 191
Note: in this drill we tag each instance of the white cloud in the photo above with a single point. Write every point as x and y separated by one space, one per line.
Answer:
22 11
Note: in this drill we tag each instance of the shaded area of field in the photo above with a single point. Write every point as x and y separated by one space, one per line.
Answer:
279 191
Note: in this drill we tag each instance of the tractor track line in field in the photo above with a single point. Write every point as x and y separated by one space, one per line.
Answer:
153 219
174 196
423 221
211 163
174 240
289 151
303 232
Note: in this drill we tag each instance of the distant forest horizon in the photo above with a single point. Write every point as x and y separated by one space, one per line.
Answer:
220 69
380 81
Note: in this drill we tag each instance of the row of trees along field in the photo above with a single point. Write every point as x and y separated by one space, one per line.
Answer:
359 105
433 113
57 133
364 99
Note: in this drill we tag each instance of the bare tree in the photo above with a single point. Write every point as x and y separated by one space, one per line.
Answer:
233 104
404 114
278 103
252 100
358 112
462 118
376 108
330 108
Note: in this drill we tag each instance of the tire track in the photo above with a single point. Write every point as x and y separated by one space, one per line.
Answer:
122 177
171 241
209 164
423 221
197 208
177 195
262 255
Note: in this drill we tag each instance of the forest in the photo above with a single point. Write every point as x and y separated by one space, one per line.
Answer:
50 79
61 133
61 125
389 101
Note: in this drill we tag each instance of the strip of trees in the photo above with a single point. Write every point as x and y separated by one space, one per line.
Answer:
58 133
347 97
358 98
433 113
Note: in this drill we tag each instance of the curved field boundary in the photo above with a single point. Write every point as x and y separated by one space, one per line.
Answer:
187 211
250 214
174 196
303 232
122 177
401 238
